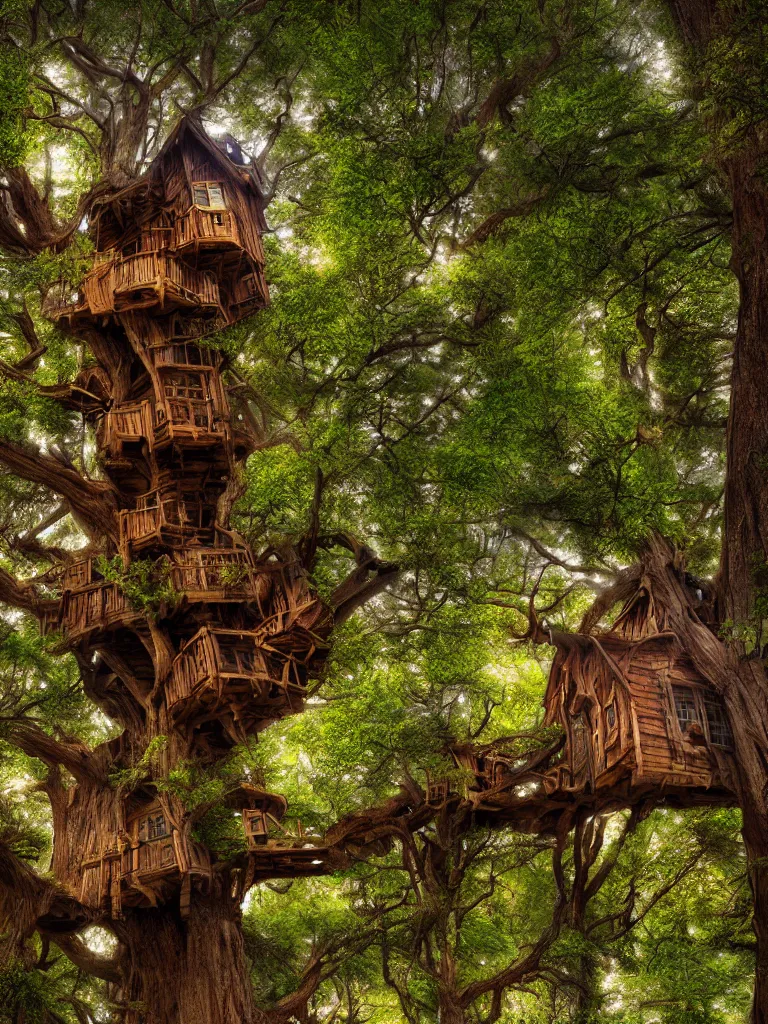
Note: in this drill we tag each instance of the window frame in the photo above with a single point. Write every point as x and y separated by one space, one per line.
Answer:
218 186
700 698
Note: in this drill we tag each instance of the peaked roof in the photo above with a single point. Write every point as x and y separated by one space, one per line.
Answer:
223 153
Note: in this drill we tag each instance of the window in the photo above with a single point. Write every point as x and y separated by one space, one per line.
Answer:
184 385
610 715
209 194
156 827
152 827
685 706
719 729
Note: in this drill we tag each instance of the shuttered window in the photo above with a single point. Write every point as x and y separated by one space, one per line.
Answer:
209 194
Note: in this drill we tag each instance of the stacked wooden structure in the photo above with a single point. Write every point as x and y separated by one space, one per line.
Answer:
179 256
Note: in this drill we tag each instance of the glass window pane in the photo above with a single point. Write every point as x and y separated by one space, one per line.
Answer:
200 194
719 728
685 706
216 197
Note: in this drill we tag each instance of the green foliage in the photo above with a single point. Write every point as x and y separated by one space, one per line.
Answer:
146 583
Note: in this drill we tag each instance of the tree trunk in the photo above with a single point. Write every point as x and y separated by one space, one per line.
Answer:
187 972
743 574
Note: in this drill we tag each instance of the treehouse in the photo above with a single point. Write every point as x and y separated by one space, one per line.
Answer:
262 814
143 863
168 242
237 677
638 718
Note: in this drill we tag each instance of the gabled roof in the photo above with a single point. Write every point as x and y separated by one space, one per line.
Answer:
148 186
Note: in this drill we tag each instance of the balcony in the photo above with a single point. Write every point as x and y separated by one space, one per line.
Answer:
155 279
194 422
218 575
166 522
186 355
235 676
118 283
202 230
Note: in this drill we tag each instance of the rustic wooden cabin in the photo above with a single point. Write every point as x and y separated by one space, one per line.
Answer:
235 676
262 814
187 235
144 862
637 716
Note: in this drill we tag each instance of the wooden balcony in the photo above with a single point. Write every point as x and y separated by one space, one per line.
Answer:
186 355
202 230
118 283
166 522
232 675
126 427
156 279
218 575
193 422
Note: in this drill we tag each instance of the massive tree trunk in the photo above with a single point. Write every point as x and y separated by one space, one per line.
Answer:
187 972
744 571
739 666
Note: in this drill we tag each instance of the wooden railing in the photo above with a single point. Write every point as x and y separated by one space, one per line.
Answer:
185 354
128 423
156 270
98 606
201 225
218 574
187 412
61 299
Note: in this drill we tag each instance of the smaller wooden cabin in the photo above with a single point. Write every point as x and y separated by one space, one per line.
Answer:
145 862
637 715
186 236
262 815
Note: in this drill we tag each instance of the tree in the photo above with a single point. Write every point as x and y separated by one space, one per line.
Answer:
499 339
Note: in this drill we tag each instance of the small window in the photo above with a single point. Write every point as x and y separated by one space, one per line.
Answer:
685 706
156 827
610 715
719 729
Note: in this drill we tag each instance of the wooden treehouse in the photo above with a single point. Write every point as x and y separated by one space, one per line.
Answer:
637 715
639 722
178 256
146 860
185 237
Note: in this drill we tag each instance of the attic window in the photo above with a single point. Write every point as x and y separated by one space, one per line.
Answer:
719 729
685 706
209 194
